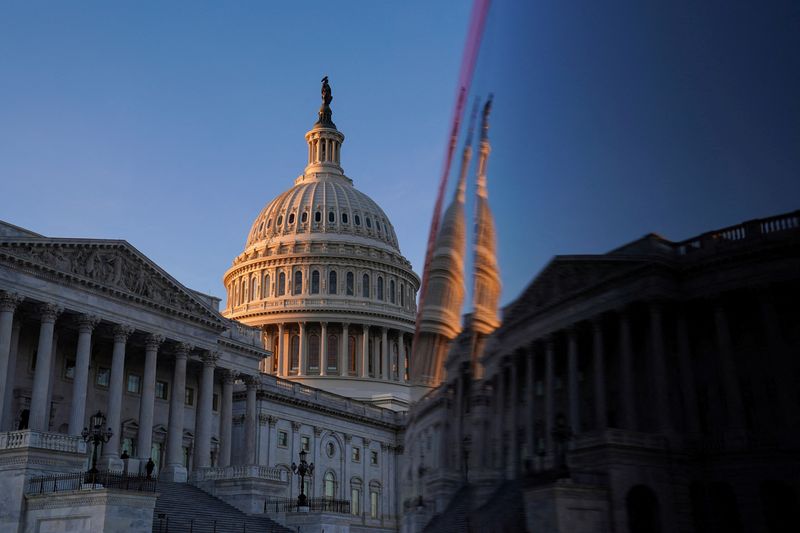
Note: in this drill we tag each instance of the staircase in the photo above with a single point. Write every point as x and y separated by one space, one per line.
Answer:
187 508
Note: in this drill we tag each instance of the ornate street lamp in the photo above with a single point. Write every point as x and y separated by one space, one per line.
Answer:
302 470
96 436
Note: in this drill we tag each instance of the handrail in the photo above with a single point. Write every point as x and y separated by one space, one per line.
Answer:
108 479
325 505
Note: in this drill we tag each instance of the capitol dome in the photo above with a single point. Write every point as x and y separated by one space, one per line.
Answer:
322 275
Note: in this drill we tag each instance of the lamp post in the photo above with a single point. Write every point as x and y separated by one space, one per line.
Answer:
96 436
303 469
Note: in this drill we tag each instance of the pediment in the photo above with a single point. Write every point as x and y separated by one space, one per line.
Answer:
115 267
566 276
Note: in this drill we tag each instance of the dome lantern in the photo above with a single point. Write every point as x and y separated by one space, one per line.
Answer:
324 140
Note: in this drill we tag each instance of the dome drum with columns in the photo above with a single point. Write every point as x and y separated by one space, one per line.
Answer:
323 276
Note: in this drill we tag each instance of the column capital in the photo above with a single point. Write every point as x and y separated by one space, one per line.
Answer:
211 357
366 442
384 330
596 322
251 382
345 324
323 324
9 301
347 438
153 341
122 332
182 350
272 421
384 447
296 426
229 376
49 312
87 323
317 431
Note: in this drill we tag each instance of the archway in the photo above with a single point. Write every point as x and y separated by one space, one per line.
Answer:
642 510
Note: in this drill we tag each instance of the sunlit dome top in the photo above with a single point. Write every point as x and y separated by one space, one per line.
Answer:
323 206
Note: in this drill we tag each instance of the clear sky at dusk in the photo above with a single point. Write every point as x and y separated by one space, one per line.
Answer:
171 124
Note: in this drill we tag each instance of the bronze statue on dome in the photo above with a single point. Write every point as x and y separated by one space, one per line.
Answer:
327 95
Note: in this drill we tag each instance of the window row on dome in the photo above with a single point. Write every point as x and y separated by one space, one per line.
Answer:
371 285
380 225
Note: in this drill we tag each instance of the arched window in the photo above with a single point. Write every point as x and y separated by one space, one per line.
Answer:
253 289
355 496
374 499
317 217
304 217
331 217
291 219
322 151
380 287
402 295
298 282
243 291
365 286
391 290
344 218
313 352
315 282
350 283
369 223
280 290
265 287
357 219
329 485
333 352
332 282
279 221
351 355
370 363
269 223
294 348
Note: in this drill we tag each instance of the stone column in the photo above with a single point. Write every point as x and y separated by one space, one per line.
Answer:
515 447
174 469
365 352
348 454
316 451
281 352
344 354
86 324
401 348
8 304
202 441
385 354
116 388
501 418
7 413
730 378
600 409
272 421
145 441
572 380
549 391
301 368
226 418
659 368
38 420
250 420
323 349
627 405
530 412
687 376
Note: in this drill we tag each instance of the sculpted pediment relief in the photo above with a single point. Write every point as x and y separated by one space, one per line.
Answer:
563 277
114 265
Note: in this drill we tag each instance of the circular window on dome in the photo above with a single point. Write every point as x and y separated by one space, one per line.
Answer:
304 217
317 217
291 219
331 217
330 449
344 218
279 221
357 219
369 223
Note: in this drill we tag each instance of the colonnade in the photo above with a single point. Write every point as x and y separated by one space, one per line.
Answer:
154 351
307 348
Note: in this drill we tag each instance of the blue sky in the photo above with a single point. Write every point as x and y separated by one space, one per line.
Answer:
171 124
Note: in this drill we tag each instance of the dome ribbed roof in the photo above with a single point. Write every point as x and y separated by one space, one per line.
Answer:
322 205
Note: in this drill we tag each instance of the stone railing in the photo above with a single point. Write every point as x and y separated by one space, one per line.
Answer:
299 391
239 472
746 231
343 303
27 438
620 437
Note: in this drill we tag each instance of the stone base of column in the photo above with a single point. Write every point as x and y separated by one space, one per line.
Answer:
176 473
109 462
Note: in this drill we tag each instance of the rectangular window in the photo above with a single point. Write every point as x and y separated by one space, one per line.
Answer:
355 503
69 369
161 390
283 439
189 396
373 458
356 454
134 384
103 377
373 504
129 447
305 444
215 402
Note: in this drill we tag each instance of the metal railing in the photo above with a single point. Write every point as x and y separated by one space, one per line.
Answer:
89 481
325 505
